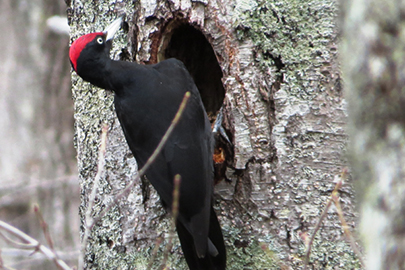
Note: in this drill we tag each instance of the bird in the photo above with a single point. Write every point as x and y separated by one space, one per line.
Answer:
146 99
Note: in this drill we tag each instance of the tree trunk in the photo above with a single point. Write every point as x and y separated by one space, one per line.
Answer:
373 61
37 157
279 84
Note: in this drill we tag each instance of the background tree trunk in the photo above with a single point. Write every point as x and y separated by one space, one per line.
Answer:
37 157
373 59
284 113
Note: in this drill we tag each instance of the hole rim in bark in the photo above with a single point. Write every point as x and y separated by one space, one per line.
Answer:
187 43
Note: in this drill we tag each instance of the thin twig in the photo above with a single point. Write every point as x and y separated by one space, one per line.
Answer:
16 244
101 161
15 252
176 197
19 190
44 226
100 170
159 240
2 266
348 234
51 255
175 212
321 218
150 160
272 255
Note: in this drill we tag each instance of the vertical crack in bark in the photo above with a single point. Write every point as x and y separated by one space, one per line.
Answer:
278 63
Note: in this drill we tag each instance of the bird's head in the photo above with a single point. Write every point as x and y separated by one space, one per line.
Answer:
92 49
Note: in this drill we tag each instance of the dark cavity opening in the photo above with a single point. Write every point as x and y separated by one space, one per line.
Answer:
189 45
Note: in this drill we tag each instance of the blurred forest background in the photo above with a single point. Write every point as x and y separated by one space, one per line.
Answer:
37 160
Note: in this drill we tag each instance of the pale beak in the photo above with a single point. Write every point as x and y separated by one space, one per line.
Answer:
110 30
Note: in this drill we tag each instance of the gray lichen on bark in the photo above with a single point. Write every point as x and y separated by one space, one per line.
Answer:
283 108
108 245
296 44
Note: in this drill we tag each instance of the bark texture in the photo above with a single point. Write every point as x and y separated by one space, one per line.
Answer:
284 113
373 58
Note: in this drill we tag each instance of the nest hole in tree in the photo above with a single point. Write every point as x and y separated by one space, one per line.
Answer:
183 41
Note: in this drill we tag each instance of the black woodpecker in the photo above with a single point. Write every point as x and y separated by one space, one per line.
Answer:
146 100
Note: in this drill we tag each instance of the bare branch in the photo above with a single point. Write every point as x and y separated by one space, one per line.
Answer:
323 215
20 191
15 243
90 221
159 240
1 261
175 212
348 234
176 196
44 226
34 244
2 266
100 170
149 161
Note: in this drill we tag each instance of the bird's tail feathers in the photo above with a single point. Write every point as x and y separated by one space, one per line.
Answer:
215 258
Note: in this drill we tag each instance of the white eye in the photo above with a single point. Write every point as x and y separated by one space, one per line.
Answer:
100 40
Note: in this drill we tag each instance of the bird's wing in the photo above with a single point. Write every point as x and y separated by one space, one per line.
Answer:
145 117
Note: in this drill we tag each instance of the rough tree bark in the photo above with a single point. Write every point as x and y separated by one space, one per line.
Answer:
373 58
284 113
